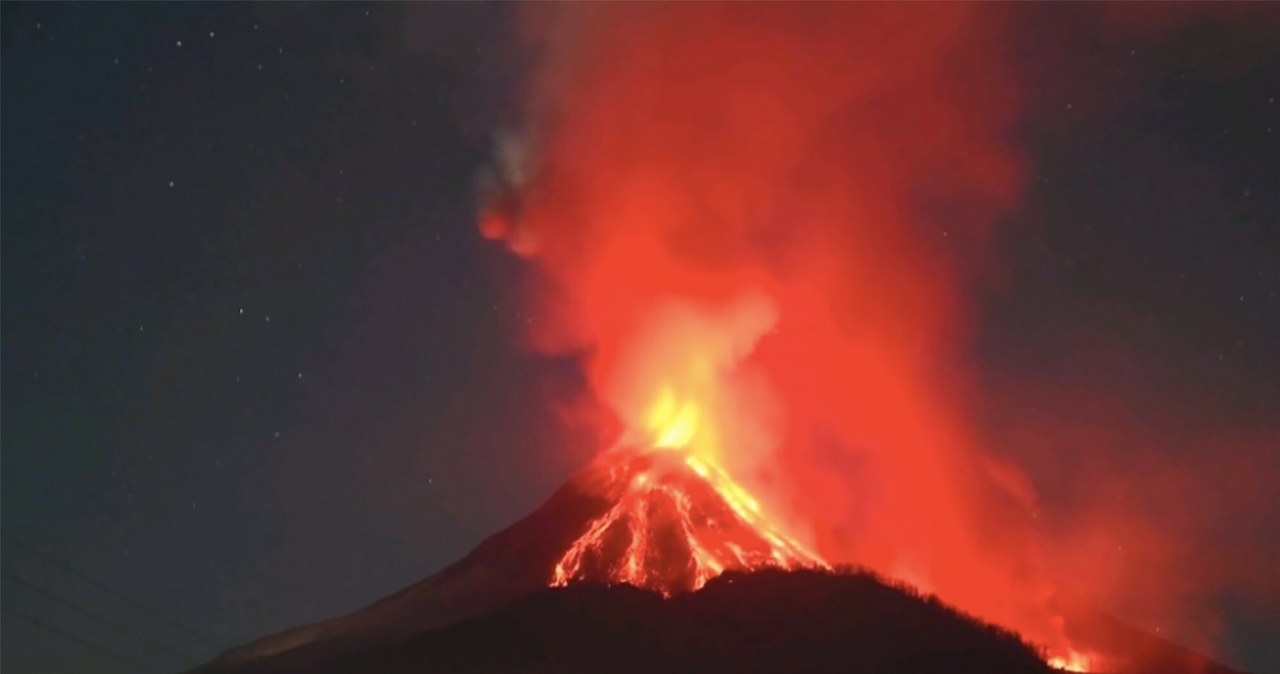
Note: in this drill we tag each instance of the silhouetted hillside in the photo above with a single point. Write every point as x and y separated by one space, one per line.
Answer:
768 621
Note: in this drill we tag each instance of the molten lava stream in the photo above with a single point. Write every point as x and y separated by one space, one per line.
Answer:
675 523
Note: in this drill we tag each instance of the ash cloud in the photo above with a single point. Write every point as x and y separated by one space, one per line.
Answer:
851 164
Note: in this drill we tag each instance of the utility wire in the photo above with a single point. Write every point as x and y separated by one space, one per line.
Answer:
133 663
69 604
172 622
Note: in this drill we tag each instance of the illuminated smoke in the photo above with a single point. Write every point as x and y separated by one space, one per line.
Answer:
767 217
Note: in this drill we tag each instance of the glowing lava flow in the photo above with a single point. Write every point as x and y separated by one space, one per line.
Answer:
1072 661
677 520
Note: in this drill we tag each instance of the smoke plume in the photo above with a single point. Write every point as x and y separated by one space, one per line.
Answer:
782 212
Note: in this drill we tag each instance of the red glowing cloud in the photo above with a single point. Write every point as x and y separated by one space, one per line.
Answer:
772 215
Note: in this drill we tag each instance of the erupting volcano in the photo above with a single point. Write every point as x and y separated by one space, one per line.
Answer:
655 513
755 230
726 591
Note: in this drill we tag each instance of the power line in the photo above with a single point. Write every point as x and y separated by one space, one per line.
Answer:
172 622
79 640
69 604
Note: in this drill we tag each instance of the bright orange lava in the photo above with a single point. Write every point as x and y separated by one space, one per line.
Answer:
679 520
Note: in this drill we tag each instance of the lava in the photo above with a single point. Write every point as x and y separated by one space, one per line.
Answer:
677 520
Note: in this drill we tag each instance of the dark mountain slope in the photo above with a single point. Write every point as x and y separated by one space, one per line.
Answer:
767 621
506 566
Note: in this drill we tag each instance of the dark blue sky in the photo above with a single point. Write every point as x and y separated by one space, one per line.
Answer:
258 367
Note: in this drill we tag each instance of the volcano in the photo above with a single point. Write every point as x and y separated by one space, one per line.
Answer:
658 555
658 520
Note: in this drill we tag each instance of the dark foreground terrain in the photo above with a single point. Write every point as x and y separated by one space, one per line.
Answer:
763 622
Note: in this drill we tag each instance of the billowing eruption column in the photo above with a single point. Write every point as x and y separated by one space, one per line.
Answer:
756 226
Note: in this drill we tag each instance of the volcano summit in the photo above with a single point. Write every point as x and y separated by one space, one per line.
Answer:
674 523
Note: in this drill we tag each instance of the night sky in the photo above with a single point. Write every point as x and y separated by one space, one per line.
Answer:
259 368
